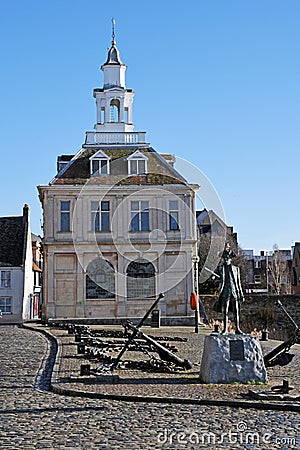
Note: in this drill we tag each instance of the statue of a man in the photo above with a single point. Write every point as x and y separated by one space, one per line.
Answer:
230 290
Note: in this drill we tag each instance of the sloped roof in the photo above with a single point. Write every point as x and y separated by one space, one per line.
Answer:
12 232
159 170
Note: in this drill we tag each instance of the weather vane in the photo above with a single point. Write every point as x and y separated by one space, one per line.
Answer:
113 29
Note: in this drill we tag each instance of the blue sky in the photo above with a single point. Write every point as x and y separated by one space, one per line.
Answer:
217 83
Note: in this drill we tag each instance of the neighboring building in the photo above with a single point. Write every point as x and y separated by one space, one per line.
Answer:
209 223
296 269
16 274
119 220
213 233
37 267
269 271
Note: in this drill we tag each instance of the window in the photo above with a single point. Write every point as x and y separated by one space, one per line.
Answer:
139 216
100 216
100 166
65 216
99 163
173 215
137 163
5 278
100 280
5 305
257 264
140 279
257 279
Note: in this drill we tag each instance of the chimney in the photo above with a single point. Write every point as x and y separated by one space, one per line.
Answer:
25 213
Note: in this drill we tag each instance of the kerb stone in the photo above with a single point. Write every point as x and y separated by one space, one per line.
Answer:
232 358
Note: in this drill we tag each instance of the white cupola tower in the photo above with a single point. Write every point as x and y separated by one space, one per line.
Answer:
114 101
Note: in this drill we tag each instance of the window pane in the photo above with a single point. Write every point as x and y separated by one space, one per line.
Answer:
134 222
105 222
174 221
65 206
145 205
104 166
142 167
144 221
173 205
95 166
95 206
133 167
95 221
105 206
65 221
134 206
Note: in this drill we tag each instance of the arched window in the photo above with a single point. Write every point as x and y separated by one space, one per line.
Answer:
100 280
114 110
140 279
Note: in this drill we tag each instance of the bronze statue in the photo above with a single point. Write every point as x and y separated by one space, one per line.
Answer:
230 290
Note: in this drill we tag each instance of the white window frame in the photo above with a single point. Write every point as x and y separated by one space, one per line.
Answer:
64 211
100 211
99 157
8 302
5 280
141 160
138 213
173 215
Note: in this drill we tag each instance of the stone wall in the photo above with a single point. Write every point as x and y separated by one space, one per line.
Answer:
259 312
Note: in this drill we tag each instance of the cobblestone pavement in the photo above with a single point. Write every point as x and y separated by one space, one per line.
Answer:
184 384
34 418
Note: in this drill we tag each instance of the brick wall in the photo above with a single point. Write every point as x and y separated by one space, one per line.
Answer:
260 311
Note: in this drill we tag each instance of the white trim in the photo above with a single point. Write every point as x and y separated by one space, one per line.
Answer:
137 156
99 156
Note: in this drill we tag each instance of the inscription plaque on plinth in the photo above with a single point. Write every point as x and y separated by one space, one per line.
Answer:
236 350
232 358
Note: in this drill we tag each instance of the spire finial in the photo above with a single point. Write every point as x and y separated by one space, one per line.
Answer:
113 22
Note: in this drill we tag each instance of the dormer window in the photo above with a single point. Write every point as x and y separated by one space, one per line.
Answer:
99 163
137 163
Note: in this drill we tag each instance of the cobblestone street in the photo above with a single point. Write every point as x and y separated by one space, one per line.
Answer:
34 418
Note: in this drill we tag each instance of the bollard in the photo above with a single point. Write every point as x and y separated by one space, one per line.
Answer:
81 349
85 369
155 318
285 386
264 335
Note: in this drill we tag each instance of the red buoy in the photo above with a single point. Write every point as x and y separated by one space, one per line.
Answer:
194 301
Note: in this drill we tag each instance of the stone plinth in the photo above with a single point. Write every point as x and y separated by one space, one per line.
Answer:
232 358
